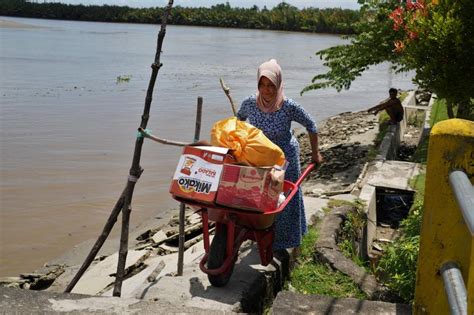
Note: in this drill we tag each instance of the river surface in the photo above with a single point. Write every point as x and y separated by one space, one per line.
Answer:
68 127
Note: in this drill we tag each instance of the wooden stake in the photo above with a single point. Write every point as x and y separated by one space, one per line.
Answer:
182 206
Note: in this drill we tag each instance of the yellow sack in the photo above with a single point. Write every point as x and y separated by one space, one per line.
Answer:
248 143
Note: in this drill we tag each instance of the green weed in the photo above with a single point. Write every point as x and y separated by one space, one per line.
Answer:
124 78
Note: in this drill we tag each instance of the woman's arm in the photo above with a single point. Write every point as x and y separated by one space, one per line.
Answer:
316 155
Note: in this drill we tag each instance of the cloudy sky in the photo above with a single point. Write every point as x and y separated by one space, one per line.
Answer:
345 4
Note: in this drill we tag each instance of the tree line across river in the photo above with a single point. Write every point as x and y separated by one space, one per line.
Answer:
281 17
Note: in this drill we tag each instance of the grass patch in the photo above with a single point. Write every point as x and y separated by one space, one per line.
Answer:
418 183
438 113
421 152
307 245
316 278
313 277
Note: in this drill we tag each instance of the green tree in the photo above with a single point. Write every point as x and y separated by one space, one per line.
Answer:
435 39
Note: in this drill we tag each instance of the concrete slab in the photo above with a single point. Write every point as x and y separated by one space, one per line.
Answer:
98 277
132 285
18 301
391 174
138 285
159 237
193 289
313 208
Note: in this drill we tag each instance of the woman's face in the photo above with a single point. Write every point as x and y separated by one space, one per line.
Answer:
267 89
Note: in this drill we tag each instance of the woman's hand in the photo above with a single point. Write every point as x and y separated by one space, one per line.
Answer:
317 157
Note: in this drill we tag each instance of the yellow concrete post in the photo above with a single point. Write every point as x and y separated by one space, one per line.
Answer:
444 235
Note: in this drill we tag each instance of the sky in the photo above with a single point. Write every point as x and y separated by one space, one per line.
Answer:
345 4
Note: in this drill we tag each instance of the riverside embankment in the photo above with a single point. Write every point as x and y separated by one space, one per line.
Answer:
152 282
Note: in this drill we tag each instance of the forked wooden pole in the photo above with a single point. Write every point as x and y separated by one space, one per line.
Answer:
136 170
123 203
182 206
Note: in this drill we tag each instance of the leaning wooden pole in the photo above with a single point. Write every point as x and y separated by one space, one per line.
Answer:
98 244
182 206
135 169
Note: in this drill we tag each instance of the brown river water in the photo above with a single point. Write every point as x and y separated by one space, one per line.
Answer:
68 127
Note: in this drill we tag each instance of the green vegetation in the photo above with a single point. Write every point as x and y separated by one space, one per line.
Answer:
438 113
432 38
334 203
351 232
124 78
417 118
397 266
312 277
282 17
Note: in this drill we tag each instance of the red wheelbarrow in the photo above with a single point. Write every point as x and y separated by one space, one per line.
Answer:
233 227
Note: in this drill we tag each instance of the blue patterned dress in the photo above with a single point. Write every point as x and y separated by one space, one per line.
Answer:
290 224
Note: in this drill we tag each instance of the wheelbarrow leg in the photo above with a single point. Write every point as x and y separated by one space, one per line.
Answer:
205 229
264 241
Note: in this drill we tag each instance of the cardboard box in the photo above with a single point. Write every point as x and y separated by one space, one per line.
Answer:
250 188
198 172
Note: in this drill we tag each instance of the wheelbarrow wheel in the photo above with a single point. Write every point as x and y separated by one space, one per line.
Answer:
217 256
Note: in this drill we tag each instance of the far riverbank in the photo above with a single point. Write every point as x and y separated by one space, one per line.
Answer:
282 17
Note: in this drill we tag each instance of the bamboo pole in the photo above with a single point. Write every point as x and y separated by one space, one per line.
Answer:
125 198
182 206
136 170
227 93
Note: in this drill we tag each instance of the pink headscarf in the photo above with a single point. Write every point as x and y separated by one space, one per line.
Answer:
272 71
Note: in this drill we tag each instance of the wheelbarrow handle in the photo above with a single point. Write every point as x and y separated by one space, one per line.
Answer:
293 188
305 173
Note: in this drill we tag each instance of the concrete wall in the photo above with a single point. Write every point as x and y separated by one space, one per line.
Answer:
444 234
368 195
388 151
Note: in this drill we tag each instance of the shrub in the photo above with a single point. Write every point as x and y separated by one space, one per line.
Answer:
397 267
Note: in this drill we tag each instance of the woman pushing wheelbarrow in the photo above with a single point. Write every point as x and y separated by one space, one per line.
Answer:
272 227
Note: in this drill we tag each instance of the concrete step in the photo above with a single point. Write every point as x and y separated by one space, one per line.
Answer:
288 302
18 301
